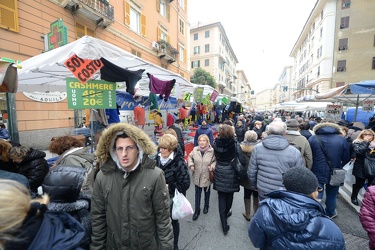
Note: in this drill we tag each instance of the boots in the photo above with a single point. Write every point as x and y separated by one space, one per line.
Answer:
246 214
255 205
196 214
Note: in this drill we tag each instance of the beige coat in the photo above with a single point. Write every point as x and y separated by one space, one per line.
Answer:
201 166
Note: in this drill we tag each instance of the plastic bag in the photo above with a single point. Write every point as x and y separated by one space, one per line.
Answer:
181 206
349 177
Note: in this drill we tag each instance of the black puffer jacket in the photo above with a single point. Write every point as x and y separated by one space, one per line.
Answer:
63 185
226 178
176 173
180 139
360 148
240 133
34 167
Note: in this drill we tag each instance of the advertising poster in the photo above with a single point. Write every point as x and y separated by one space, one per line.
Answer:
96 94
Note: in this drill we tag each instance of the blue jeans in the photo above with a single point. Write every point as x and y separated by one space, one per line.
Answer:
331 194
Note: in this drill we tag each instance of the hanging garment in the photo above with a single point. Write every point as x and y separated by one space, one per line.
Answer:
153 101
113 73
139 115
163 88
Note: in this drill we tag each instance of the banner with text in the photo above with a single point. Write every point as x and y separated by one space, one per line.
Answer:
83 69
96 94
368 105
334 111
127 102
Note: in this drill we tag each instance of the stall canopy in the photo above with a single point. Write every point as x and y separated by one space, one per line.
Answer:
46 72
349 95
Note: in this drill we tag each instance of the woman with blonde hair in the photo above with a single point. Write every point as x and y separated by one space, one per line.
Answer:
26 223
201 161
172 162
365 142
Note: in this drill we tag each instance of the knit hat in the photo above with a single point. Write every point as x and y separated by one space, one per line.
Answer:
292 124
300 180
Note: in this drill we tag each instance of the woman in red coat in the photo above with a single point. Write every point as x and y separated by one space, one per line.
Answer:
367 215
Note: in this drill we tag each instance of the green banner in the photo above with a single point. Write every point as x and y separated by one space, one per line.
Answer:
96 94
198 94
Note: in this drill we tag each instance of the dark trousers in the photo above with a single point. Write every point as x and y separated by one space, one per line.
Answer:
248 192
198 192
225 204
176 232
359 182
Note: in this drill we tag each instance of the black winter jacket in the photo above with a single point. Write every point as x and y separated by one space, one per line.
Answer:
176 173
179 137
360 149
34 167
226 178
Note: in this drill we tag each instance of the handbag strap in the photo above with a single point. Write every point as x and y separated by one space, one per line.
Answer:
325 155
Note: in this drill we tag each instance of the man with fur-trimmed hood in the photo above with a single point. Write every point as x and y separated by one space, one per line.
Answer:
130 202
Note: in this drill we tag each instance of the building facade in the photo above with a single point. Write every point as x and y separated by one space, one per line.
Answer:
211 51
336 47
243 89
158 33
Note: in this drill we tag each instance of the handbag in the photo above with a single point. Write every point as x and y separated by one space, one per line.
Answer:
211 176
181 207
369 164
240 169
337 174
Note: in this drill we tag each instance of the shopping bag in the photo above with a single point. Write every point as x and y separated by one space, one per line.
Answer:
349 177
181 206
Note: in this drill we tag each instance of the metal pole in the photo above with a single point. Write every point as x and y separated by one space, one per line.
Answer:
356 109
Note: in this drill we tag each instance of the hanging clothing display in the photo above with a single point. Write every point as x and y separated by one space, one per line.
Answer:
163 88
139 115
153 101
113 73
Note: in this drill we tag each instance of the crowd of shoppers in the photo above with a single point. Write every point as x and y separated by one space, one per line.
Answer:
128 184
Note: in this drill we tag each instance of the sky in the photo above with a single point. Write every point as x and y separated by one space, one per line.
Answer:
262 33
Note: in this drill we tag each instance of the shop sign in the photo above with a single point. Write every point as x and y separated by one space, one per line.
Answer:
214 95
368 105
198 94
96 94
58 35
46 96
334 111
83 69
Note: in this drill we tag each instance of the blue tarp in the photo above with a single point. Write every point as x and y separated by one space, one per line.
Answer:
365 87
127 102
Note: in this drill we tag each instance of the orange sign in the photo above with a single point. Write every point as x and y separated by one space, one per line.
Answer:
83 69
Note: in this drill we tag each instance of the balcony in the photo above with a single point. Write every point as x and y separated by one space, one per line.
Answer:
166 52
98 11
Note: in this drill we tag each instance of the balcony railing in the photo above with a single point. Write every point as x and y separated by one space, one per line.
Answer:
167 51
100 6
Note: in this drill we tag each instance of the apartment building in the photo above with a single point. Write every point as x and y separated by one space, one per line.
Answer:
267 98
156 31
243 89
211 51
335 47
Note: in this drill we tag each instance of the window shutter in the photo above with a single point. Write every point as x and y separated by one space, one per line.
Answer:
127 13
9 15
168 39
185 56
143 25
159 34
158 6
168 12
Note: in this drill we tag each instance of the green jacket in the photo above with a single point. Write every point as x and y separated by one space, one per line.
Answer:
131 212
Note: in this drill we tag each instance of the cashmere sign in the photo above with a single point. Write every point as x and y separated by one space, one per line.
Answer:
96 94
